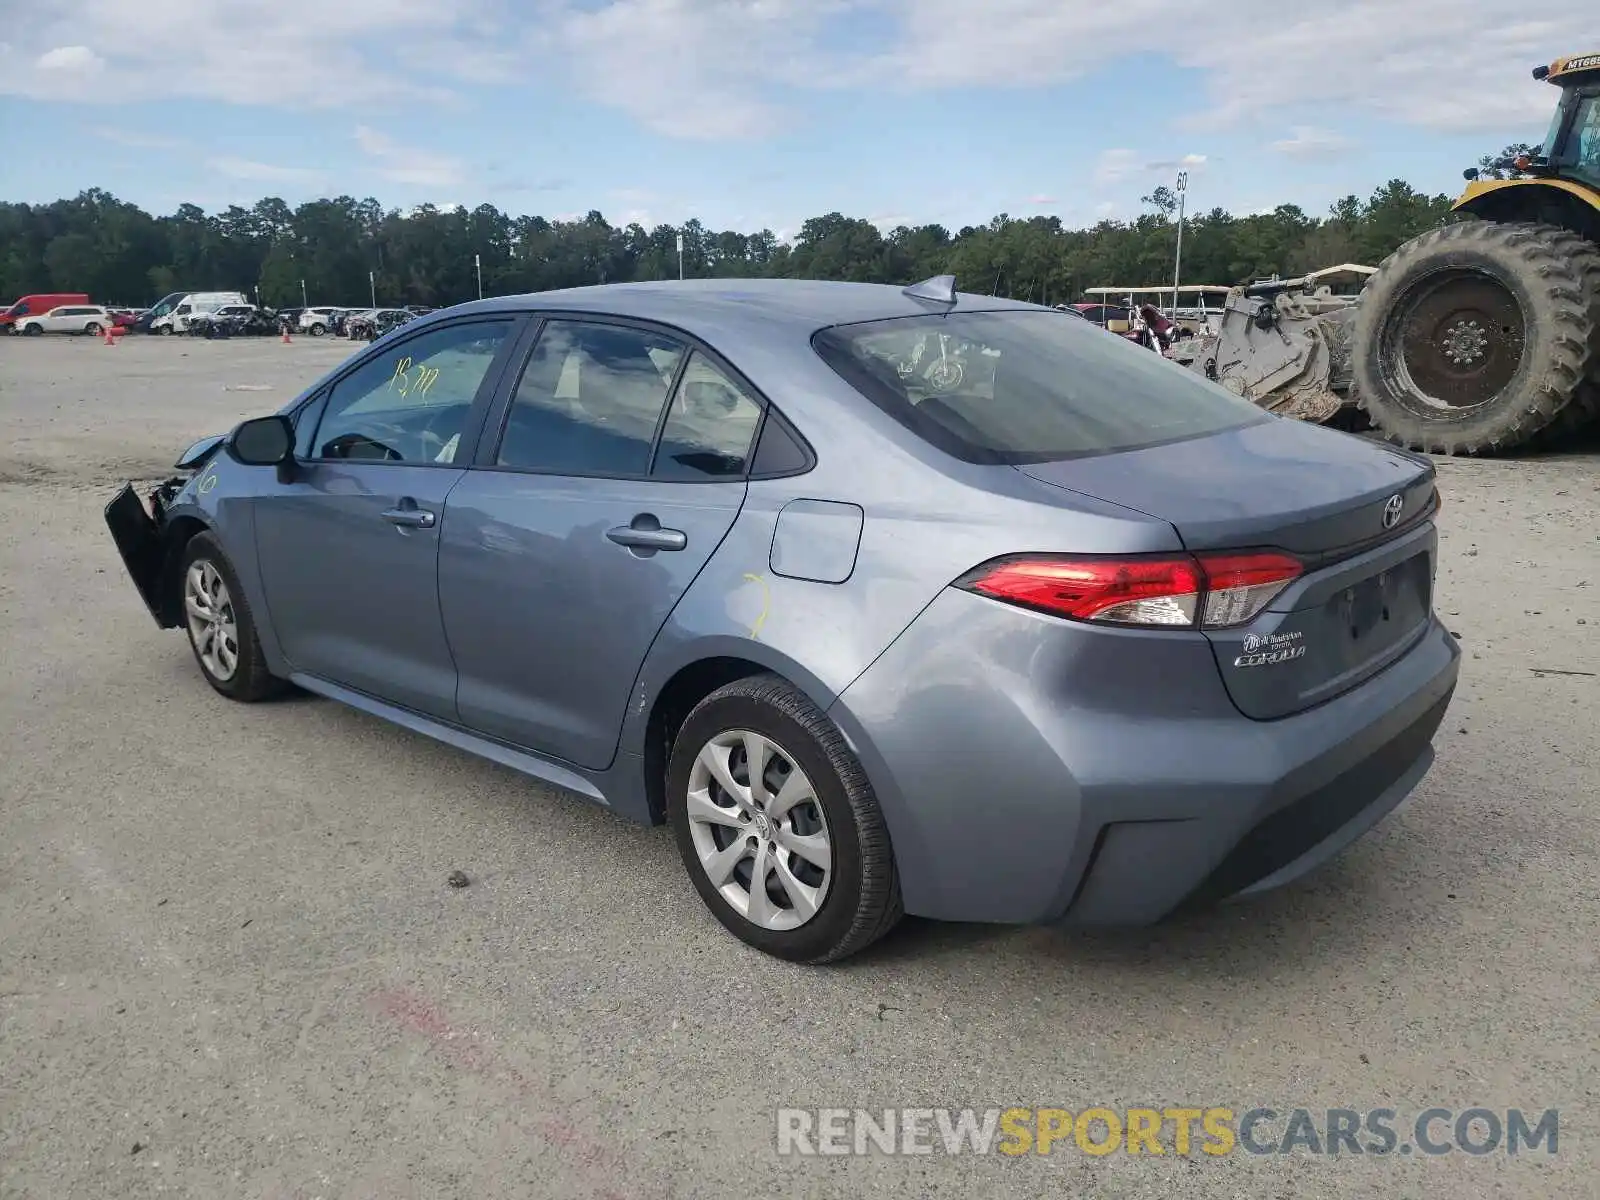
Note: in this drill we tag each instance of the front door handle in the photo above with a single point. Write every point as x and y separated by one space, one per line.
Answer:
410 518
644 533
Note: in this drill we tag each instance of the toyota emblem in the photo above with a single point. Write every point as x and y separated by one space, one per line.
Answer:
1391 511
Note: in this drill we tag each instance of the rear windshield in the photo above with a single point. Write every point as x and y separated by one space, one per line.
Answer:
1026 386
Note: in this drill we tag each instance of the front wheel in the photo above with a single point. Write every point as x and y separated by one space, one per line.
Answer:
165 331
778 826
33 331
221 629
318 329
94 329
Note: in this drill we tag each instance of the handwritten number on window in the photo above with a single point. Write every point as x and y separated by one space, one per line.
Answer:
405 382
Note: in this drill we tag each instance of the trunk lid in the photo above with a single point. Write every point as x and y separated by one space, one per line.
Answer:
1326 497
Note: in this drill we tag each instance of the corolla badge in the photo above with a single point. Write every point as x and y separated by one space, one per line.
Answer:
1392 508
1268 649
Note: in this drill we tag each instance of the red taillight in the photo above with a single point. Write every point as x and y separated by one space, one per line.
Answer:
1213 590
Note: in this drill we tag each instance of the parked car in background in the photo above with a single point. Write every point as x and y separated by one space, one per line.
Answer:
370 326
288 318
37 304
69 318
317 321
173 314
224 322
1079 637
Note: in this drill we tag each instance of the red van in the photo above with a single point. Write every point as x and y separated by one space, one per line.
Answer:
43 302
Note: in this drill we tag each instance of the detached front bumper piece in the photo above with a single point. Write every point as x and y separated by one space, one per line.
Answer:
138 535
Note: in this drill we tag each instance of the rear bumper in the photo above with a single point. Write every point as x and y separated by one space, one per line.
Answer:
1099 777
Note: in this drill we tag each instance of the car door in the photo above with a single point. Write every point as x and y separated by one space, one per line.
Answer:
57 320
573 536
348 548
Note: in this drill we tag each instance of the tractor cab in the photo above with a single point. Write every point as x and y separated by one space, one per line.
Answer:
1572 148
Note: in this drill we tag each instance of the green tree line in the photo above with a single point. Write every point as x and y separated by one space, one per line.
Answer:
120 254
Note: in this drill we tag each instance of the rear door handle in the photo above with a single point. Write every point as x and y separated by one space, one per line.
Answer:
644 532
410 518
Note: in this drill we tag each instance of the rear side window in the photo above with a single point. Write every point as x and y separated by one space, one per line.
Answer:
1026 386
709 426
589 400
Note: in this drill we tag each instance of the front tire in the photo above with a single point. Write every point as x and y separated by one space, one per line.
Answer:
220 626
793 857
1474 337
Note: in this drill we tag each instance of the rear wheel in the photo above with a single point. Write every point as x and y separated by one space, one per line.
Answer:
1476 336
778 826
221 628
318 329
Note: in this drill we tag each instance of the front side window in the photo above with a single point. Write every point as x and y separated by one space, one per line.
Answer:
410 403
589 400
1025 386
709 425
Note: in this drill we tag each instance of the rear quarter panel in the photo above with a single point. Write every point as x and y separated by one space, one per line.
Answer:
926 520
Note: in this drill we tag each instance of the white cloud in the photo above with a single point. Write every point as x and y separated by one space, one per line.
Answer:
404 164
1115 166
1450 65
1041 199
70 60
727 69
1310 141
244 168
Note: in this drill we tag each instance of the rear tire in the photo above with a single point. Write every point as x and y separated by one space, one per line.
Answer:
1474 337
220 626
841 908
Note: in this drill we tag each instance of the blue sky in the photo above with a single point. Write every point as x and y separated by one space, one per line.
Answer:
760 113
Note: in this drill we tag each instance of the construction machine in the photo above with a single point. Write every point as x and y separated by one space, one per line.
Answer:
1479 336
1484 334
1283 344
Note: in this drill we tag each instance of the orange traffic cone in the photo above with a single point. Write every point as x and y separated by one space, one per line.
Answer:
286 335
109 340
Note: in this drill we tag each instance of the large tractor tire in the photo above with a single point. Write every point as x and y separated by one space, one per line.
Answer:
1477 336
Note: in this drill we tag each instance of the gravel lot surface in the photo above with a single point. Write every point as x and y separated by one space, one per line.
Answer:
230 964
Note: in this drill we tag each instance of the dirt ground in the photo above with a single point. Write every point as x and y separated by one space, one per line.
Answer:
230 964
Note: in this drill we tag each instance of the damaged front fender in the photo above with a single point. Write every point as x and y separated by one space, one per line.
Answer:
141 533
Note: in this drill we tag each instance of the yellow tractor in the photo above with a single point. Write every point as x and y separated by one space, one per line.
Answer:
1485 334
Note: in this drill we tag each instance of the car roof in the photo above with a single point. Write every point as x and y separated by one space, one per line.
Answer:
711 307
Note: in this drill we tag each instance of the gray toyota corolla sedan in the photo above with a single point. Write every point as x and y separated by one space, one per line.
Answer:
887 600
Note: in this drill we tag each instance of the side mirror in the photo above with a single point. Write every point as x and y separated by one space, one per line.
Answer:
263 442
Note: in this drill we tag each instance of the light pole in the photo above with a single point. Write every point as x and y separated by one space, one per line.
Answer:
372 284
304 303
1177 261
680 256
477 265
